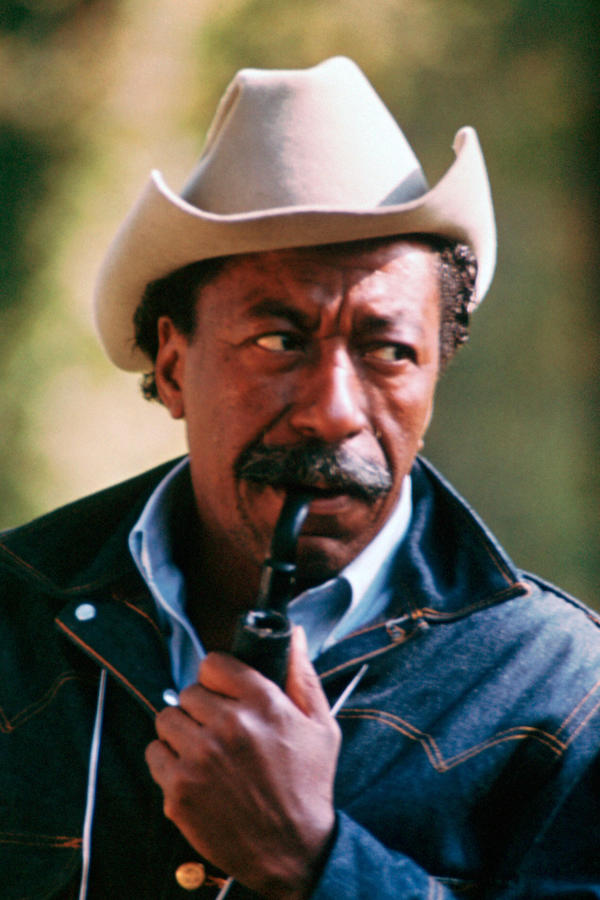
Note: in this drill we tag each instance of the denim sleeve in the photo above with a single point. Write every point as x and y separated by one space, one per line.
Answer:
359 867
563 862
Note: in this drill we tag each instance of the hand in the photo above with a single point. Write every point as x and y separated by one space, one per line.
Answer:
247 771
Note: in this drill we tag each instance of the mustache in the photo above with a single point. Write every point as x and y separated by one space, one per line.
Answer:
314 465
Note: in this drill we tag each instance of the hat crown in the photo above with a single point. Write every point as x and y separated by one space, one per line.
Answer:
319 137
293 159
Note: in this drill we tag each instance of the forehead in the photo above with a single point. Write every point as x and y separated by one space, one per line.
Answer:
383 274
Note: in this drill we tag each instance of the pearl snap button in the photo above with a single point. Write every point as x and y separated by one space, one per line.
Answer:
190 876
85 611
171 697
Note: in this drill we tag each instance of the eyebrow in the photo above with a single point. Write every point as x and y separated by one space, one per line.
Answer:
280 309
370 324
367 323
375 324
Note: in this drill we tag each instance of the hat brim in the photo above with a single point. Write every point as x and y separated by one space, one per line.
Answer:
163 233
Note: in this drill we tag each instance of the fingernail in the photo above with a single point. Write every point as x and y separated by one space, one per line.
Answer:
301 638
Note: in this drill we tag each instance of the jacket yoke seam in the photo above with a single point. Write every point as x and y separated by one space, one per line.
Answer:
50 585
430 745
497 597
365 656
577 708
27 566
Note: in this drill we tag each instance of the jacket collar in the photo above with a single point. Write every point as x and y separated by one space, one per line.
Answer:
450 563
82 547
448 566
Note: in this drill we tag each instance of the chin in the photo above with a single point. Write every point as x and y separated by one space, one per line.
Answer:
320 559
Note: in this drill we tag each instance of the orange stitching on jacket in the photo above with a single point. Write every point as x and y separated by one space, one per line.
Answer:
433 752
137 609
560 745
24 563
482 604
430 751
365 656
365 630
40 840
583 723
63 592
581 703
7 725
108 666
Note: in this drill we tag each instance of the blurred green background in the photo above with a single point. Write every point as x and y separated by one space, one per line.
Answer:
95 93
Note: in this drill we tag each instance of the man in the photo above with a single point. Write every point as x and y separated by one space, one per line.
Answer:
295 307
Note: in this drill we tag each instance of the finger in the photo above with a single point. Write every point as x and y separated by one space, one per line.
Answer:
303 686
160 760
223 674
203 705
177 729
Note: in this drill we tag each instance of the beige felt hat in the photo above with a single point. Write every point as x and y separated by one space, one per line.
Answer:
293 158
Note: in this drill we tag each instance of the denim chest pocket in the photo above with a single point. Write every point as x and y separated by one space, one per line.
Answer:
37 866
42 786
443 749
446 790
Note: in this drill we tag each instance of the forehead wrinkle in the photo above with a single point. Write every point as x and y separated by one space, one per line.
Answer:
386 296
305 286
266 307
289 273
375 308
369 309
299 290
323 282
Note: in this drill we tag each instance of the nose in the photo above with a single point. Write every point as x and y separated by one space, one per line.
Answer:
330 402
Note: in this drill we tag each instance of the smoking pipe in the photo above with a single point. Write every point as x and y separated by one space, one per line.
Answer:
262 636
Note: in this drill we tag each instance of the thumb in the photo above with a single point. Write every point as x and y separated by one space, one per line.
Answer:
303 686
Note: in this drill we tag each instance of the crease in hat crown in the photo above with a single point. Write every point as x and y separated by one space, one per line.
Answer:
293 158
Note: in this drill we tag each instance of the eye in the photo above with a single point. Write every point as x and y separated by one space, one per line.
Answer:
280 342
391 353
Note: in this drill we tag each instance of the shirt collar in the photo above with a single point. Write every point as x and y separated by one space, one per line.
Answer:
150 544
377 556
367 577
150 537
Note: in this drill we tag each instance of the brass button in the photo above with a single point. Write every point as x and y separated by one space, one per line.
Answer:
190 876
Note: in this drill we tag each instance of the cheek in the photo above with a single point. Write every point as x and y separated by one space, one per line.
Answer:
229 405
404 412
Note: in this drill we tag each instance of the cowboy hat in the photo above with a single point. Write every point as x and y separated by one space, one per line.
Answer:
293 158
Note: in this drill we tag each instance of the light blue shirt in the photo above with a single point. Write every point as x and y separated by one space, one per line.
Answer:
328 612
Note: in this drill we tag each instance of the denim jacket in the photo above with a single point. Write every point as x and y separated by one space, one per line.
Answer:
470 755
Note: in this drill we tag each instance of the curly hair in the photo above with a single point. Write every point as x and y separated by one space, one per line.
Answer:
458 271
176 295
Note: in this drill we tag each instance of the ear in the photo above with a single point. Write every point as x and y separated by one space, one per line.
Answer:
169 367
